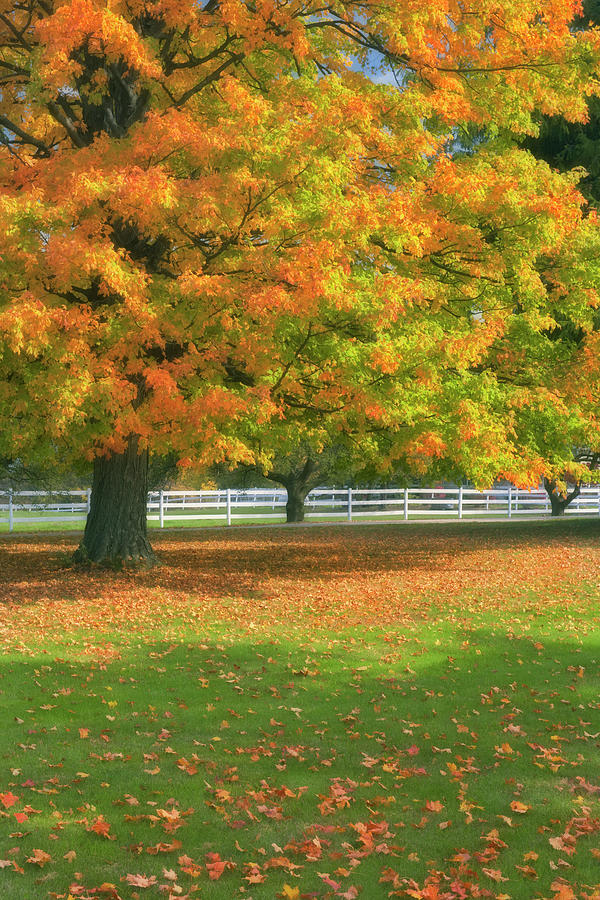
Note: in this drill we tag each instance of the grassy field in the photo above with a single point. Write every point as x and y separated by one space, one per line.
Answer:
408 711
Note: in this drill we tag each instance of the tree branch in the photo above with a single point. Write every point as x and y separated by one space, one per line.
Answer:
24 135
214 76
67 123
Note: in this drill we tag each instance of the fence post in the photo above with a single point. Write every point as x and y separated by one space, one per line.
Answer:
405 504
510 501
228 496
11 521
88 500
460 502
161 509
349 504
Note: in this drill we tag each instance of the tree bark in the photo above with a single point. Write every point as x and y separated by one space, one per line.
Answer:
298 485
116 532
559 502
294 508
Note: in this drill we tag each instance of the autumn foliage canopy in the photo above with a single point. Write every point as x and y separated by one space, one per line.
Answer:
220 220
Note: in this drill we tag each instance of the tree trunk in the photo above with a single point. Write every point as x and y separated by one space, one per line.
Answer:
298 484
559 502
294 508
116 531
557 505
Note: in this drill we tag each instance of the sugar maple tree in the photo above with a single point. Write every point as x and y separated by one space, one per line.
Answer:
217 214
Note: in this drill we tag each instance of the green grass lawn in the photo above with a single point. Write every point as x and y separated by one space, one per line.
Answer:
456 732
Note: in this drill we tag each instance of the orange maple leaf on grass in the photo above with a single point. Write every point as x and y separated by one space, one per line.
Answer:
215 866
39 858
102 827
434 806
519 807
8 799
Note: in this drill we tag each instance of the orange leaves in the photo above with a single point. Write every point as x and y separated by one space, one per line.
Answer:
251 252
434 806
190 867
519 807
429 444
562 891
163 847
186 766
215 866
39 858
102 828
8 799
78 21
339 659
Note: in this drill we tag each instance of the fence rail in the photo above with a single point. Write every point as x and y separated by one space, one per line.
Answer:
184 507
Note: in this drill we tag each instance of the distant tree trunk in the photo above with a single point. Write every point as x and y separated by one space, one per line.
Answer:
298 485
116 531
559 502
296 495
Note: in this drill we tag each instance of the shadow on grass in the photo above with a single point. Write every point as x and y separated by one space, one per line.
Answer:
231 563
452 746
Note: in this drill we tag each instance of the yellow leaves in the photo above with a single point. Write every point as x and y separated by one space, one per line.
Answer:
69 255
519 807
25 325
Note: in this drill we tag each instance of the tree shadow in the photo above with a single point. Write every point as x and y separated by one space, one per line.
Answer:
216 564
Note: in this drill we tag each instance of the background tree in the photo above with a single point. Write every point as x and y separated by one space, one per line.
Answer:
303 464
214 215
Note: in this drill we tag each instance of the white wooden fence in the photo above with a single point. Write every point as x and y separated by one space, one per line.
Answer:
28 509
